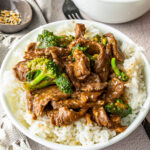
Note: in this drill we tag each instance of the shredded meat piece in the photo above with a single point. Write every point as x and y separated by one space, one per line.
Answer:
81 65
94 47
38 99
90 96
79 30
57 54
79 100
69 67
93 83
115 90
75 104
32 52
65 116
102 64
20 70
109 50
101 117
116 52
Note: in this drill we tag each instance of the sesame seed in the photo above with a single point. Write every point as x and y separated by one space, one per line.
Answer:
10 17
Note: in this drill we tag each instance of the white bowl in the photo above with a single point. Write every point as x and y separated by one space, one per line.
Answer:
23 43
113 11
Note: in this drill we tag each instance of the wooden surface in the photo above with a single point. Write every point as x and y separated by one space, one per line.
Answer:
139 31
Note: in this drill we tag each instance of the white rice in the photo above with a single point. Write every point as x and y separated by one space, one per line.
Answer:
78 133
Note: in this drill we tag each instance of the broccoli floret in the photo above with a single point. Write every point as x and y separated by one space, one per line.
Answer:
64 84
48 39
118 107
121 75
44 72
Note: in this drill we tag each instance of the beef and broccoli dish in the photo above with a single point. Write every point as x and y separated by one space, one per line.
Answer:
71 77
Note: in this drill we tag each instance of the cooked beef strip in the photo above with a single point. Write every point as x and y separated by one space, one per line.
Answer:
81 65
94 47
92 83
56 56
20 70
90 96
75 104
109 50
116 52
102 64
101 117
65 116
80 100
79 30
32 52
115 90
38 99
69 67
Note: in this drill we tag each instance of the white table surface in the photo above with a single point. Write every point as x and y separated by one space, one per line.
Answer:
139 31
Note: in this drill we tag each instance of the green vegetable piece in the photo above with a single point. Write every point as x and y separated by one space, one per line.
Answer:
104 41
96 38
121 75
64 84
48 39
36 74
100 39
29 76
46 72
95 56
118 107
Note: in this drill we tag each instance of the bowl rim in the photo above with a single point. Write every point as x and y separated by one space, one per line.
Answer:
53 145
29 19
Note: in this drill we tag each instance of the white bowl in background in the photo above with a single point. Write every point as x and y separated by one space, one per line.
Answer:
113 11
22 43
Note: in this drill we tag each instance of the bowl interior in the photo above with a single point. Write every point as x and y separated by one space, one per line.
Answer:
20 46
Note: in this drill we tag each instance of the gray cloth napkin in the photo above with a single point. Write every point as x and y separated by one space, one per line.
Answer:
10 137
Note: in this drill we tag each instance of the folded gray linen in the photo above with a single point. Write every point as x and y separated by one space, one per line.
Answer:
10 137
